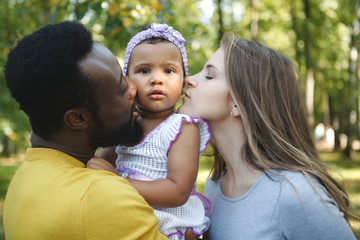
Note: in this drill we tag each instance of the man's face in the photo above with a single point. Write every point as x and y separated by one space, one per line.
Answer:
114 122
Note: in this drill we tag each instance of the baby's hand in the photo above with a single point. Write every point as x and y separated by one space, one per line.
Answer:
100 164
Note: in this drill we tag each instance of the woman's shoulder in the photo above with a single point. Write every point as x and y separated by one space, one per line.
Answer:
299 190
287 177
306 209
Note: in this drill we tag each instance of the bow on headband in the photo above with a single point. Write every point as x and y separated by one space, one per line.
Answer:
165 28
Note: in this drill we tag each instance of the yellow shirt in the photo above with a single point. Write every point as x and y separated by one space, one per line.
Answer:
53 196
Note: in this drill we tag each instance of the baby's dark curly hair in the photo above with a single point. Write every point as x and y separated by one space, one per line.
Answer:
43 75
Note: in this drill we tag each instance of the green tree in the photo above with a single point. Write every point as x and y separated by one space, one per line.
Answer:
112 23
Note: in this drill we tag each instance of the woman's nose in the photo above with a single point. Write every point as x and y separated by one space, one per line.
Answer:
190 82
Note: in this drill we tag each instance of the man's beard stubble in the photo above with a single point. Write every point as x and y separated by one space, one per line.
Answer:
127 134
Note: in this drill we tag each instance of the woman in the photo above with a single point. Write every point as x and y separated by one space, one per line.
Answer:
267 181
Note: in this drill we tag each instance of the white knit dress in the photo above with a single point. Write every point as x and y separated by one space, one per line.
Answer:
148 161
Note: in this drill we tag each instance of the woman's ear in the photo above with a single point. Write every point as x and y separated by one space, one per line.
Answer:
77 119
235 111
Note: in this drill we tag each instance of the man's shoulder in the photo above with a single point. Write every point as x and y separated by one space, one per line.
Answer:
107 182
113 193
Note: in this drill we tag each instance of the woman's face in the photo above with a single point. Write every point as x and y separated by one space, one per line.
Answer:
208 96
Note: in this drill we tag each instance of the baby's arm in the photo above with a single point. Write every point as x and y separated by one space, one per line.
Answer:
103 160
108 154
183 163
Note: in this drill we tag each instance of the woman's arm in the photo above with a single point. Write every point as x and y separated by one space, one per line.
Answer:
182 168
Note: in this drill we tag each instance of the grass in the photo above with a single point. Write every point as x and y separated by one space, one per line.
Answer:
347 171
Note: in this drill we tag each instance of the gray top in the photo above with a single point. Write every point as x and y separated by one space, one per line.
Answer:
272 209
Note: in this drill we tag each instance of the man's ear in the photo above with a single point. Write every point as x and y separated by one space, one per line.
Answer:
77 119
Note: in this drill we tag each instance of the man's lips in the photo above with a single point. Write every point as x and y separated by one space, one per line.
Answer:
156 95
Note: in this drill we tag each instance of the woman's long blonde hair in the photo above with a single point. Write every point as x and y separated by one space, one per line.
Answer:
265 86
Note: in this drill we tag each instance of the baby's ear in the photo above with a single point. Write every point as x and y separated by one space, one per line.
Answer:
77 118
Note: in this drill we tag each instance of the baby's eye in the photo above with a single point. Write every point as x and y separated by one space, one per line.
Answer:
144 70
168 70
208 77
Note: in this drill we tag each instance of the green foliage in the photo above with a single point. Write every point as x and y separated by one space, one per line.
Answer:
280 25
112 23
6 173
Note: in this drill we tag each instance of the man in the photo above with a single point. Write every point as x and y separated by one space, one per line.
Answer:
77 100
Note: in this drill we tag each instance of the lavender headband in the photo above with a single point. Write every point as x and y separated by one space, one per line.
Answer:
158 31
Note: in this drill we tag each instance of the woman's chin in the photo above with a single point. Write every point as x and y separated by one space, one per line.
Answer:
184 110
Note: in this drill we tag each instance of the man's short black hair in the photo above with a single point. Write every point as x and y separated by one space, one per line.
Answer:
43 75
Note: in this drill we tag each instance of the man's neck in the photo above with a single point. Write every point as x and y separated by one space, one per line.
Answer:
77 153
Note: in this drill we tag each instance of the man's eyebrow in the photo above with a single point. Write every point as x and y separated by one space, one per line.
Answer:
121 79
122 83
121 75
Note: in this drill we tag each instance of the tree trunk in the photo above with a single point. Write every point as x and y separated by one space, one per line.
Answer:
353 126
334 120
221 24
254 19
297 30
6 151
310 83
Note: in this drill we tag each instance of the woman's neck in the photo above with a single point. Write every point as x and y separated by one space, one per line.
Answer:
229 137
75 152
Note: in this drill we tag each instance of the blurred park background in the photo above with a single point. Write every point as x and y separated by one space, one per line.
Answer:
320 36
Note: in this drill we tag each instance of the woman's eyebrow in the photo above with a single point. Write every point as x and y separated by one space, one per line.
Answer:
210 66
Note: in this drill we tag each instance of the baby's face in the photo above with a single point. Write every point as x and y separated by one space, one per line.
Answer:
157 71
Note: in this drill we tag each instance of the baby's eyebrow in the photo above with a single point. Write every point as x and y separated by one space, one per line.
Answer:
175 64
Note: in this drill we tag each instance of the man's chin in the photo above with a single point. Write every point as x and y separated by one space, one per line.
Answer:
132 135
128 134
